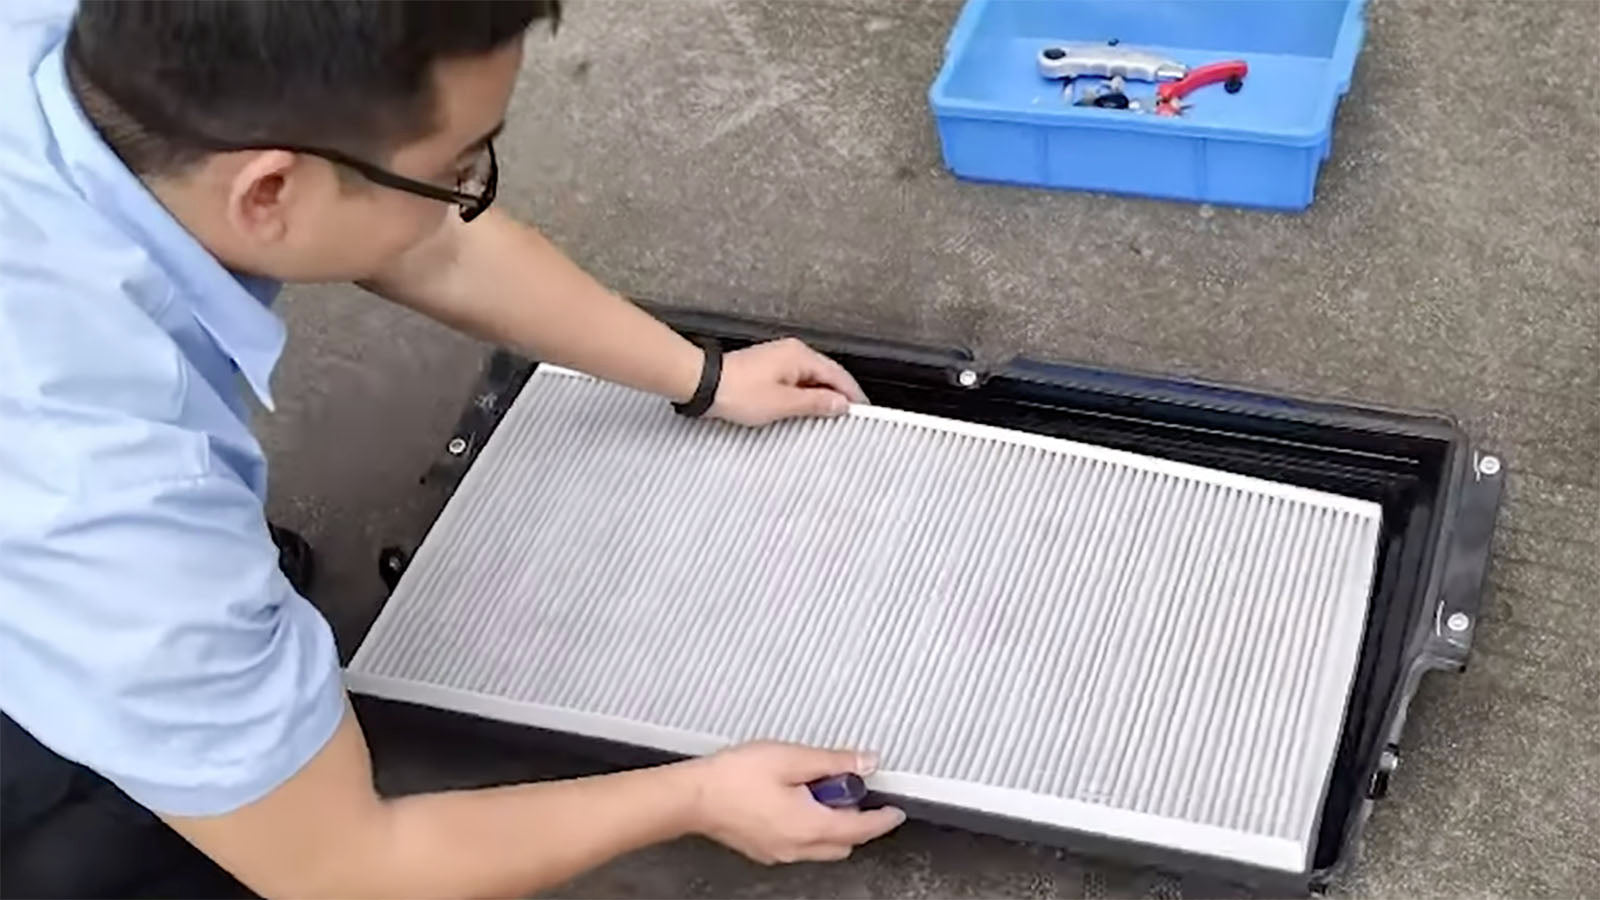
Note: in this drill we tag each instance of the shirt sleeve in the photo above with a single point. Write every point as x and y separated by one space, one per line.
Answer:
147 633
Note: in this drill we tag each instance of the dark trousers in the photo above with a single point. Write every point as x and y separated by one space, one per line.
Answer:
67 832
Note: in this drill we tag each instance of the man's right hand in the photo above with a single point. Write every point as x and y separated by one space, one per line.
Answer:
326 833
753 798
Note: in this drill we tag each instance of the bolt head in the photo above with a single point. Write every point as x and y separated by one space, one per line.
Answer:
967 378
1489 465
457 446
1458 622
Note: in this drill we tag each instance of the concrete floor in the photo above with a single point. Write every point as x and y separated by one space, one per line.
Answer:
777 158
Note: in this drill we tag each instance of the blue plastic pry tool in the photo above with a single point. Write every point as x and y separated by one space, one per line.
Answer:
839 791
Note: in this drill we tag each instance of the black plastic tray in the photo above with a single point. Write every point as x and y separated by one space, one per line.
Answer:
1439 497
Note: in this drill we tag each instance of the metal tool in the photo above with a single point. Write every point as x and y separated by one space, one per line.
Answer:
1071 61
839 791
1230 74
1169 98
1111 95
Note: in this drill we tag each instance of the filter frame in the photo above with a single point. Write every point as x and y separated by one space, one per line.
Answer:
1439 496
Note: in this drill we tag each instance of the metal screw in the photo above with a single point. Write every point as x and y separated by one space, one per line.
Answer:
967 378
1458 622
457 446
1489 465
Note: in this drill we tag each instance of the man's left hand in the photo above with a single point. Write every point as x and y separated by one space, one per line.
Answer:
782 380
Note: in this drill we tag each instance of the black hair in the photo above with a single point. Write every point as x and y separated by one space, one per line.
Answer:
161 79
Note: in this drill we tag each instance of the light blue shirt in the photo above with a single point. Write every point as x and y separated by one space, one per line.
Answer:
145 630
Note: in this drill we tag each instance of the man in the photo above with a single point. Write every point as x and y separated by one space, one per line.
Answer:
164 166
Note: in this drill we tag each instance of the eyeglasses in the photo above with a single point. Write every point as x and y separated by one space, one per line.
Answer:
475 185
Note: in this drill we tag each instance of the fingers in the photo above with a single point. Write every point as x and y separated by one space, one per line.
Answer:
817 402
807 368
783 380
753 798
838 832
803 764
819 371
850 827
827 852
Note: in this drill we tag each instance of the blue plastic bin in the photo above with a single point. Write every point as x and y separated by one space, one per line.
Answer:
999 120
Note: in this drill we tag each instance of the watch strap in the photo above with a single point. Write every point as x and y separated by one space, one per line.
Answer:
705 393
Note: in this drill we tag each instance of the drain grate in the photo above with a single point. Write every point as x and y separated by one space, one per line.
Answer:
1023 626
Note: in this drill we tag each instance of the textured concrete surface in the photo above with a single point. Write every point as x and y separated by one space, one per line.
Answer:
777 158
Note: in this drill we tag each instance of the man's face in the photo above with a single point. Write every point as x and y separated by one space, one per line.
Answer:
329 224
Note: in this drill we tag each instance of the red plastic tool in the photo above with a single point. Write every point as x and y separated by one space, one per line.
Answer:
1169 95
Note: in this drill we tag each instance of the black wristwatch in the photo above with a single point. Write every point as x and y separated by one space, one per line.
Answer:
705 393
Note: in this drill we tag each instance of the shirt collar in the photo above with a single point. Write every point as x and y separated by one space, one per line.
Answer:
232 309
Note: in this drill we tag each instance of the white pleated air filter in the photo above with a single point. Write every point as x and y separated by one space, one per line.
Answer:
1023 626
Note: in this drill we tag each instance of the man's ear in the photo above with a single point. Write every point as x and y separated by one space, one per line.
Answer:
259 195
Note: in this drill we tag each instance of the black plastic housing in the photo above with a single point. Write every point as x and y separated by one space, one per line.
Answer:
1439 497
